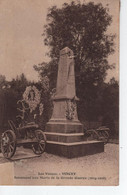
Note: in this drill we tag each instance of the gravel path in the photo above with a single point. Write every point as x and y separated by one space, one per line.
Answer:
98 169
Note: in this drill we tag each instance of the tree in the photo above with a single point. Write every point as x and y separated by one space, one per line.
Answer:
83 28
110 105
19 84
10 93
2 81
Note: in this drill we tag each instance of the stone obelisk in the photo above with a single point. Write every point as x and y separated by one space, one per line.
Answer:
64 132
65 98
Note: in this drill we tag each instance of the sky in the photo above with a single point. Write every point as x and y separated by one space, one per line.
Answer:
21 41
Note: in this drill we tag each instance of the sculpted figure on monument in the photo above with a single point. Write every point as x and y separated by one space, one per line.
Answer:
70 109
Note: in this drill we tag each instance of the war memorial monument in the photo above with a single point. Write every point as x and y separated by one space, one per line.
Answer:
64 132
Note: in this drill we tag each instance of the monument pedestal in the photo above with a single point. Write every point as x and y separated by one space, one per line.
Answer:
65 138
76 149
64 132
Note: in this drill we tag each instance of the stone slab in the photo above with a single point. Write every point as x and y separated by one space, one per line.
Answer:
64 127
77 149
64 137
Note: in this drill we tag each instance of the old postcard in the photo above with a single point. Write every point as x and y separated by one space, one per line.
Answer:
59 92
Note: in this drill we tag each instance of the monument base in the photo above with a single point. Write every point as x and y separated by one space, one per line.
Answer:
77 149
66 138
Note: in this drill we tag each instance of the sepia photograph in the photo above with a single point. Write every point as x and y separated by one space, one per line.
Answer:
59 92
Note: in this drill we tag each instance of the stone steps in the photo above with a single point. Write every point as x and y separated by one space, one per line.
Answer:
62 137
77 149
